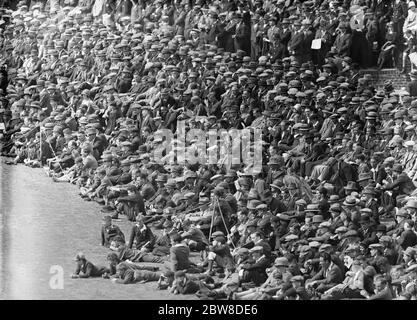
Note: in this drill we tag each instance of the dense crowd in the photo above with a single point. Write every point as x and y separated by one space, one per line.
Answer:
330 213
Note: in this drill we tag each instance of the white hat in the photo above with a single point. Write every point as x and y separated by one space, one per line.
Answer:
411 4
409 143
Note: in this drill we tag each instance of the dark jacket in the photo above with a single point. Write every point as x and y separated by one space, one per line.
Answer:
179 256
109 233
88 269
142 236
334 275
255 272
188 287
402 184
408 239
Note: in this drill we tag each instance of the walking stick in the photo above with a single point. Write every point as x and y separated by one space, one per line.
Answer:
225 226
40 143
211 224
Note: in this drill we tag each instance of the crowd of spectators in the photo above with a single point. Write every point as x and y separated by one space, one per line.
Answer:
331 213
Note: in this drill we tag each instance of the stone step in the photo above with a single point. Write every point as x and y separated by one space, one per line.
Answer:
379 77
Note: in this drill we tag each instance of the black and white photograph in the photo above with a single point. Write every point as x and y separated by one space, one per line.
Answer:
220 152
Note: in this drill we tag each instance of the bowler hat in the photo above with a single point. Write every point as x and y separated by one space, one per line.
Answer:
381 228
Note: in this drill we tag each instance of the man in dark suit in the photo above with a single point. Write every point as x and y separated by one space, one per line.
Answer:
243 33
142 235
296 43
257 240
183 284
256 271
109 232
308 39
343 41
408 237
283 135
382 289
179 254
412 86
215 28
328 276
284 36
401 217
402 184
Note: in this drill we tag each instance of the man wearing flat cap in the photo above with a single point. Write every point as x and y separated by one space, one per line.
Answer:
402 184
296 43
343 41
328 276
256 270
110 231
219 255
284 36
86 269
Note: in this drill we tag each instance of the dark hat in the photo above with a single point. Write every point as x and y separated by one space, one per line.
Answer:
335 207
381 228
397 168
